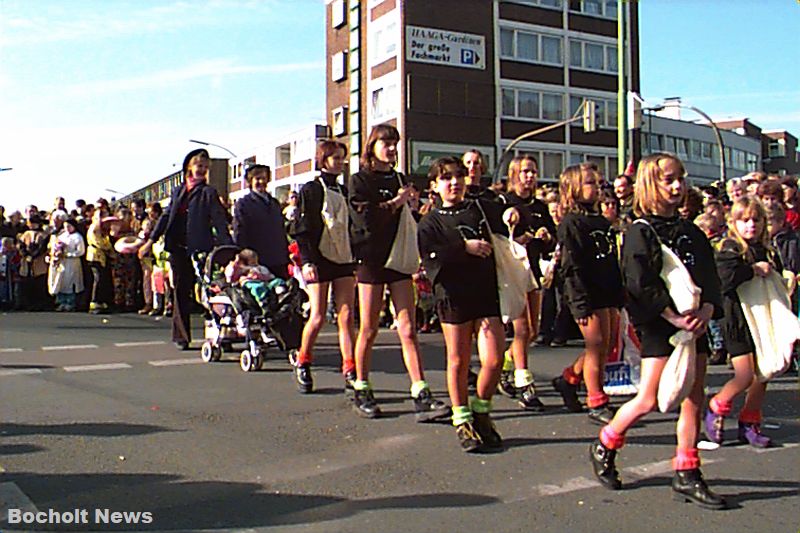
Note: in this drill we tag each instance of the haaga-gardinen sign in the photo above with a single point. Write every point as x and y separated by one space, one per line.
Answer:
444 47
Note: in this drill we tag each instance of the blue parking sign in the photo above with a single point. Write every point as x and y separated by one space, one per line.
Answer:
469 57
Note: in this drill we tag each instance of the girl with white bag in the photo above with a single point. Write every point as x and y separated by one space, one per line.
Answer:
747 261
659 191
383 236
321 229
592 286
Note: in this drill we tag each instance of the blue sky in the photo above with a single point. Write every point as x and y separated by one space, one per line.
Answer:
98 95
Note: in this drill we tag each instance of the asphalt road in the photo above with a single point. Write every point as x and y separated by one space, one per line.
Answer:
103 413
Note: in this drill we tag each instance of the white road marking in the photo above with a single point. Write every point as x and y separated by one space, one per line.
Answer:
89 368
10 350
19 371
176 362
69 347
138 343
11 497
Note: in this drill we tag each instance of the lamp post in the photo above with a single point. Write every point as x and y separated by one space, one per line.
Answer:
204 143
717 134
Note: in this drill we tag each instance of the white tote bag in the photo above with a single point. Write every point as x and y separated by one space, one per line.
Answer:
404 255
334 245
677 378
773 326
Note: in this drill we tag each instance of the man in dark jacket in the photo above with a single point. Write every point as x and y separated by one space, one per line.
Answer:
194 222
258 223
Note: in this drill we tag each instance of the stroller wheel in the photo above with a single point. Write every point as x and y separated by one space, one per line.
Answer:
247 361
259 361
209 352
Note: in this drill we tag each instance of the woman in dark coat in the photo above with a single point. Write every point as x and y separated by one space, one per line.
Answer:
194 222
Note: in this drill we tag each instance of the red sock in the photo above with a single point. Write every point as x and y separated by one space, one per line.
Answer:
611 439
596 399
750 417
348 365
570 376
303 358
686 459
720 407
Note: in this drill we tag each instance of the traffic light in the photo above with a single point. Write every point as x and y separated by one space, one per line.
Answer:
589 116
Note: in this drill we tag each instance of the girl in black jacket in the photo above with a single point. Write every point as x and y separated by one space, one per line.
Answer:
377 195
592 284
456 250
325 198
659 191
536 231
746 253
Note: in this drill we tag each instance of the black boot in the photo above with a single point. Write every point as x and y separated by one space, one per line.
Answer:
364 404
689 486
603 465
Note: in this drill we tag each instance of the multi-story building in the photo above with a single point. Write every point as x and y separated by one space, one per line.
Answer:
458 74
782 156
696 144
161 189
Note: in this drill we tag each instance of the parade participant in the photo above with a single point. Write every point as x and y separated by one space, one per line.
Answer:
65 276
536 231
258 223
377 195
476 170
98 256
321 230
454 238
659 191
592 286
745 254
193 223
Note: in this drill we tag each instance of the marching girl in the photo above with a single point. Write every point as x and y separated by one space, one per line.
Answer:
659 192
536 231
453 239
321 230
746 253
592 286
376 197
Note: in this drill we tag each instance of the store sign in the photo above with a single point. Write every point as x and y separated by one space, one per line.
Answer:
444 47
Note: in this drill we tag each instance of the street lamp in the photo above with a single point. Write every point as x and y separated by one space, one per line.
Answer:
204 143
717 134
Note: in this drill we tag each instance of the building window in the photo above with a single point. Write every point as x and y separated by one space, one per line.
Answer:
552 164
532 105
538 3
338 66
338 13
384 38
777 148
383 101
593 56
598 8
605 110
354 39
339 121
283 155
531 47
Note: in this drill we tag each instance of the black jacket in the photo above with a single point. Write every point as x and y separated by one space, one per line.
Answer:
258 225
200 228
589 267
788 245
373 228
306 228
642 262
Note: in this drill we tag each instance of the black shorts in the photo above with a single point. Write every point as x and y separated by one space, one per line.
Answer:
378 275
329 271
654 338
453 313
738 340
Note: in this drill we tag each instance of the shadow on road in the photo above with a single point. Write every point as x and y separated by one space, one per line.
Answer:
19 449
87 429
190 506
22 367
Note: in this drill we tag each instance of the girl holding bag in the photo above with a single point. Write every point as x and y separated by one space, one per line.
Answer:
659 191
592 285
745 254
383 236
321 229
455 238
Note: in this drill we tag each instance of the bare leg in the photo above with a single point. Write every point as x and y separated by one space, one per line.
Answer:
402 294
645 399
458 340
318 300
491 339
370 301
344 296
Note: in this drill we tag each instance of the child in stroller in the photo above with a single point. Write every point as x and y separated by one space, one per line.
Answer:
247 302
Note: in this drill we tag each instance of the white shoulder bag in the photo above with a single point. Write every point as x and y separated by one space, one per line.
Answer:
404 255
334 245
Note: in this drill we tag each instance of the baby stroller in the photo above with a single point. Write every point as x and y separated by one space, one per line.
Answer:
233 315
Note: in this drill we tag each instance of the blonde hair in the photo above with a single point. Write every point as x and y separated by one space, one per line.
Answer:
744 208
569 186
514 169
705 222
645 188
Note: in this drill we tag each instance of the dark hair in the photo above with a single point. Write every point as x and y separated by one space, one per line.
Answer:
252 168
139 202
607 196
385 132
438 166
202 152
770 188
325 149
789 181
155 206
693 201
